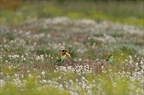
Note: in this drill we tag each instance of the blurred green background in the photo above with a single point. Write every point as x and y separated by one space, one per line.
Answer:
123 11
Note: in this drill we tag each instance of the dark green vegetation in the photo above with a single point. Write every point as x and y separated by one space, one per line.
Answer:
128 12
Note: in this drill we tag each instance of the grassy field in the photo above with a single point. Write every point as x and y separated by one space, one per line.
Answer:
31 37
123 12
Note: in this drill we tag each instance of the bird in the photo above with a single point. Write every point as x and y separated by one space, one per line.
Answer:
110 59
64 56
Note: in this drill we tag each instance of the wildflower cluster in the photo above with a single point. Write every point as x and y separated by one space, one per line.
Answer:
27 60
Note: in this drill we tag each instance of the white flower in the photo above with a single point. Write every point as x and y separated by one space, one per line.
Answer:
2 83
30 75
83 78
59 77
64 68
114 84
55 71
80 59
69 67
60 86
110 70
76 80
49 81
136 64
43 72
16 75
102 67
43 81
71 81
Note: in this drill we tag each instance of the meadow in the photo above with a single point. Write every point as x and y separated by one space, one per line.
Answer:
126 12
31 39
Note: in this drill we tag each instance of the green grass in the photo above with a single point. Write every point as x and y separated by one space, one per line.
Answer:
110 83
122 12
32 89
27 59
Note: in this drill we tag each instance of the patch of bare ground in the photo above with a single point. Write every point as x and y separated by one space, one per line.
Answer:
25 68
94 65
